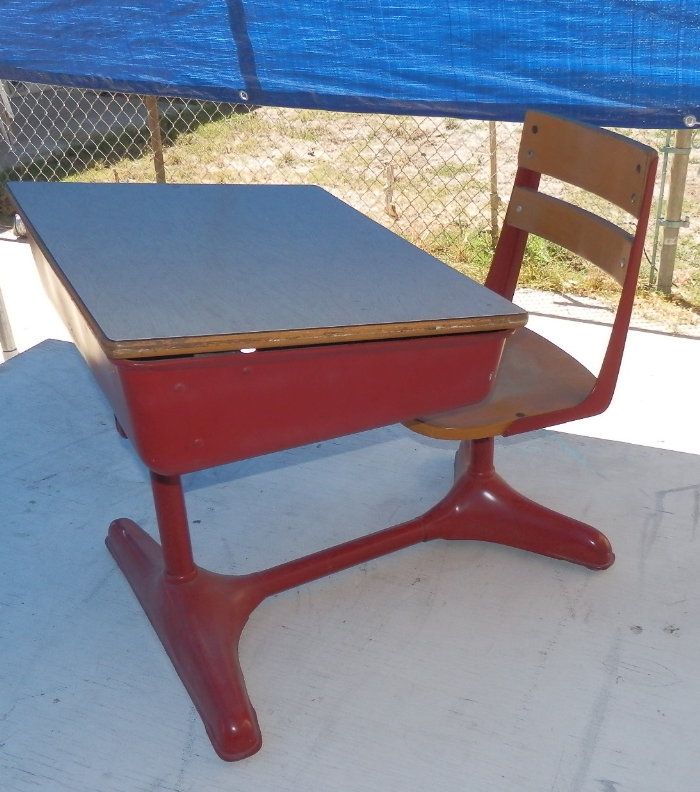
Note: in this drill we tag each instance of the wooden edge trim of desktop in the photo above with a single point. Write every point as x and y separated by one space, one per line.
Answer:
195 345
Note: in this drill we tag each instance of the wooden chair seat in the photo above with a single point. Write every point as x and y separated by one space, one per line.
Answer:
534 377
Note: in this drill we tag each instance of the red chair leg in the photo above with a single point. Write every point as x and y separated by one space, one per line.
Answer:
482 506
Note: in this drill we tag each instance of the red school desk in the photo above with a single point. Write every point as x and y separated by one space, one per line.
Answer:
223 322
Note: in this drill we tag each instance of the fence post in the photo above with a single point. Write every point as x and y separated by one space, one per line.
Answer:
494 199
7 341
673 222
151 103
389 206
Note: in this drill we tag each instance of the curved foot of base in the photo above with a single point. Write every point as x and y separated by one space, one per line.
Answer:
482 506
199 622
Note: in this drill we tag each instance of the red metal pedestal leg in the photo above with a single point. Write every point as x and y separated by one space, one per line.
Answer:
198 616
482 506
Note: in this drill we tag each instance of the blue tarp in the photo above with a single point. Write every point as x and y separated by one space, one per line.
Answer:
615 62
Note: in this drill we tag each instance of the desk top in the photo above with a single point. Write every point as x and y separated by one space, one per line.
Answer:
181 269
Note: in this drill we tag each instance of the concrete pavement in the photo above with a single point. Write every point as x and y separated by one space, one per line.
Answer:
448 666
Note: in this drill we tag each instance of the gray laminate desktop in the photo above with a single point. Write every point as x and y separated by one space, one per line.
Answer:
170 269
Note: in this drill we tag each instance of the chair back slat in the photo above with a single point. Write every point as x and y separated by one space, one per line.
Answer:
583 233
602 162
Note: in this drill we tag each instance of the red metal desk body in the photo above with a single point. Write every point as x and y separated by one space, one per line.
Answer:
186 412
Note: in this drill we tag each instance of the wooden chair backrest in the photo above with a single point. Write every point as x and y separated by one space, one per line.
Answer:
611 166
595 160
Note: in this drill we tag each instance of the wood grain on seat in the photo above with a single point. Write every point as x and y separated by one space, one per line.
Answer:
535 377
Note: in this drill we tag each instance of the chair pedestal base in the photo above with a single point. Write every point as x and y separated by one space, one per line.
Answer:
484 507
199 615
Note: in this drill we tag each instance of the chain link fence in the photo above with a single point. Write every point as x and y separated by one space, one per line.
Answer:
421 175
441 182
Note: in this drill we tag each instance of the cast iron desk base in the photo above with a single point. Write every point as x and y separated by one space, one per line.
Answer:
199 615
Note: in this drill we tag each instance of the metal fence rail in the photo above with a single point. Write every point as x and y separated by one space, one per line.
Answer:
430 179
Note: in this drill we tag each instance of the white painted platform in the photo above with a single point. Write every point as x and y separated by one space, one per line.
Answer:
444 667
29 311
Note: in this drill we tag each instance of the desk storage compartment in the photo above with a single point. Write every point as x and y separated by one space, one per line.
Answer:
189 413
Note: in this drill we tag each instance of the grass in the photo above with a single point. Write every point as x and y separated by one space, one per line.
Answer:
452 170
441 195
545 266
549 268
